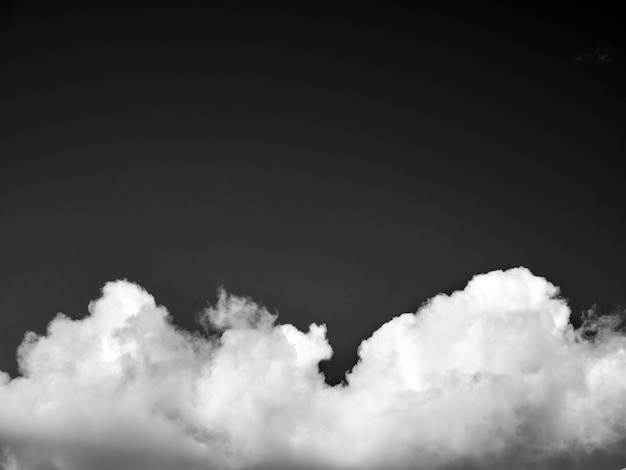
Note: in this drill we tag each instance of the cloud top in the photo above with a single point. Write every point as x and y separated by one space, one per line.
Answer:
491 376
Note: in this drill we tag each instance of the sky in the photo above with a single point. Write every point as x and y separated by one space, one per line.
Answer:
337 166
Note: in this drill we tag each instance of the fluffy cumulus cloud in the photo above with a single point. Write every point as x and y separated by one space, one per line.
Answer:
493 376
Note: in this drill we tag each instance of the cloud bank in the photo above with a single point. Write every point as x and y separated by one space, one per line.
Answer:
492 376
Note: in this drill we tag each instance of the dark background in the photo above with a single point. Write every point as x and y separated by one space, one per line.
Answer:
339 165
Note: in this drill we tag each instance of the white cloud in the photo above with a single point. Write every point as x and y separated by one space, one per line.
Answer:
492 376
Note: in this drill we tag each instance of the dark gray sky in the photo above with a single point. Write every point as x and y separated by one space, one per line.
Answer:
338 165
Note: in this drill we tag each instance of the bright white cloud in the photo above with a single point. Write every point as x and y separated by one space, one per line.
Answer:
492 376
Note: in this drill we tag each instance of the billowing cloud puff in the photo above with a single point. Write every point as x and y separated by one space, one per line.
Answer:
493 376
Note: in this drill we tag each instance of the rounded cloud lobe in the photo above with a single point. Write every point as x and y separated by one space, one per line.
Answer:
493 376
